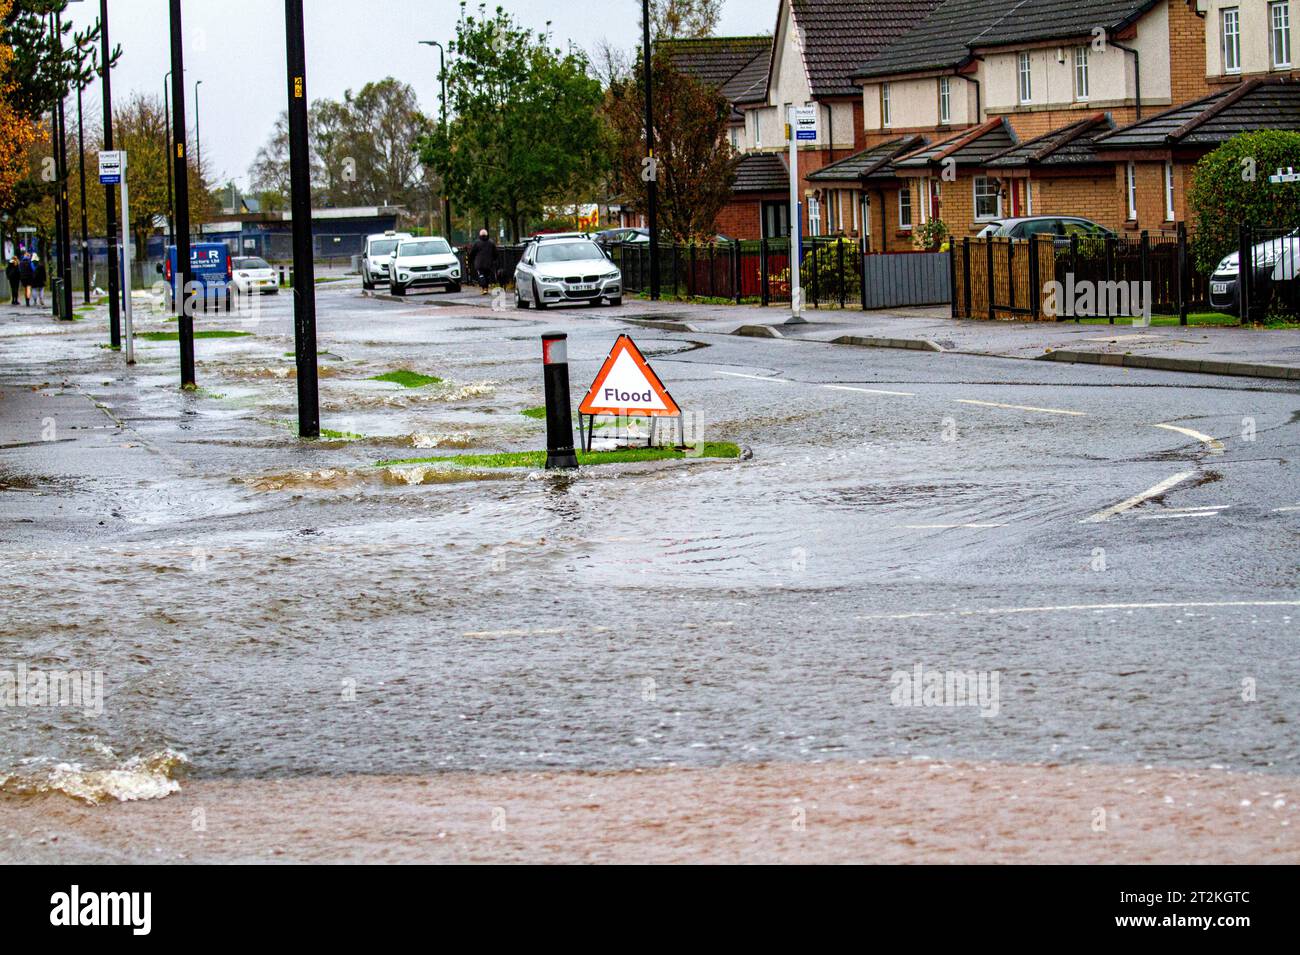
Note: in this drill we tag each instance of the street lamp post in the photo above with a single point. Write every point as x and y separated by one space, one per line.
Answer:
651 173
442 76
167 119
178 159
85 237
304 282
110 201
65 227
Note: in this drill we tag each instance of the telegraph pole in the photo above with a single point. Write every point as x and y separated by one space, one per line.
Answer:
652 186
180 275
81 171
65 230
304 279
110 201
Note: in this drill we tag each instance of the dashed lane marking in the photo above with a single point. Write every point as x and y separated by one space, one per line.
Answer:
1166 517
1284 510
736 374
1137 499
996 404
1215 446
1065 608
871 391
940 527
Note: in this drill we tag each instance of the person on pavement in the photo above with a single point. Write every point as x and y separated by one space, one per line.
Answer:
483 259
38 279
11 273
26 276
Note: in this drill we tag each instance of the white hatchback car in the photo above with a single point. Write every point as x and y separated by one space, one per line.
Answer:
249 274
378 255
427 261
565 268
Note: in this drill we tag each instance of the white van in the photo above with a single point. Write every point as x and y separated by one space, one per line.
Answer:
378 255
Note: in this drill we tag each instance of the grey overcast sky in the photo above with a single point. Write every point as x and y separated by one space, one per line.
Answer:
236 47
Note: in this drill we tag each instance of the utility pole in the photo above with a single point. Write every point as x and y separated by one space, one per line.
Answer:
110 201
304 279
442 75
198 138
180 274
650 171
171 202
65 229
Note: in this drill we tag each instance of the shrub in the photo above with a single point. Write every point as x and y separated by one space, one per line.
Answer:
1224 193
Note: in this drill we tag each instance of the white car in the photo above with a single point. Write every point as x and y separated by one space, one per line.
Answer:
249 274
556 269
428 262
378 255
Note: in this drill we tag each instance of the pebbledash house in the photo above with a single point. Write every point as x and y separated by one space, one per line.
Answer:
969 111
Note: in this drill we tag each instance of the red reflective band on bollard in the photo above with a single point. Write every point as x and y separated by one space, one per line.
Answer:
555 349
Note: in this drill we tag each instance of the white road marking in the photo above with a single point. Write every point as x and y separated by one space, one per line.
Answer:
1215 446
1064 608
736 374
1165 517
995 404
937 527
512 633
1203 507
1283 510
871 391
1137 499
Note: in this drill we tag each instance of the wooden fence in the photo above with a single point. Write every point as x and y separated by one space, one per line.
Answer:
1002 279
894 279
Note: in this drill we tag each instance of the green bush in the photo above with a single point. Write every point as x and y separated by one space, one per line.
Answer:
1224 193
824 259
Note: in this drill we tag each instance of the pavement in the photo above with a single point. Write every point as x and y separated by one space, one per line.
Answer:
1109 552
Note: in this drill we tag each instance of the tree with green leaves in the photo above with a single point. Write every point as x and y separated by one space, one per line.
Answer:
1231 186
696 165
526 130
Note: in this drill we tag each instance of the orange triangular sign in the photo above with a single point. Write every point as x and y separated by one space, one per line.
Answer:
626 384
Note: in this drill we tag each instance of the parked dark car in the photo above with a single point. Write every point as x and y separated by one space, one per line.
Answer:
1276 275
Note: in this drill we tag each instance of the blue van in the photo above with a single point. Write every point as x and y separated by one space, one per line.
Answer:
209 266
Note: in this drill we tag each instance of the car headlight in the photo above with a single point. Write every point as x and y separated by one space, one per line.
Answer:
548 278
1227 264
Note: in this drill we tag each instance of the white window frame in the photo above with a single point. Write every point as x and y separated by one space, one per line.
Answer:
1279 34
905 191
1230 15
945 101
1081 76
1024 78
975 199
1169 191
1131 189
735 137
1029 197
886 111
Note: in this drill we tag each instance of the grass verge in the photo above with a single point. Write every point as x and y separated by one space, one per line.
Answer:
207 333
537 459
406 378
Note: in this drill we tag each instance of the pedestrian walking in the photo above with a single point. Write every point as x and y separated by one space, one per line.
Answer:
11 273
26 276
38 280
483 259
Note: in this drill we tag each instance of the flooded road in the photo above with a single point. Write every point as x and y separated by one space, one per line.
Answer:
266 609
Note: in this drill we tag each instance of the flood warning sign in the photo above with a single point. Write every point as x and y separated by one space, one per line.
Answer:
626 384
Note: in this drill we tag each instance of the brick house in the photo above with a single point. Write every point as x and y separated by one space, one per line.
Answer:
1153 158
1053 72
817 44
869 184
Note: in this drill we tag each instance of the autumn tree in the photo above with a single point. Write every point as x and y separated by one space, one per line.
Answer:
683 19
695 163
526 131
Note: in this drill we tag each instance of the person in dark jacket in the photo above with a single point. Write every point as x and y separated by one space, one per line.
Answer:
26 276
38 280
483 260
11 273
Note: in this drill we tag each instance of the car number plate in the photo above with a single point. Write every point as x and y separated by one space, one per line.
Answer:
1219 288
583 288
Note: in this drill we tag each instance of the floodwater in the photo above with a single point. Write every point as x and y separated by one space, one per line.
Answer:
264 609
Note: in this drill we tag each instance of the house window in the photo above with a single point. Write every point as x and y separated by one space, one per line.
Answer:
885 118
1131 190
1026 79
988 200
1230 39
1081 73
1279 34
735 138
814 216
905 208
1169 192
945 100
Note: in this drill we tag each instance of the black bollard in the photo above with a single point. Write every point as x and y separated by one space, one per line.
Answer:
559 414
